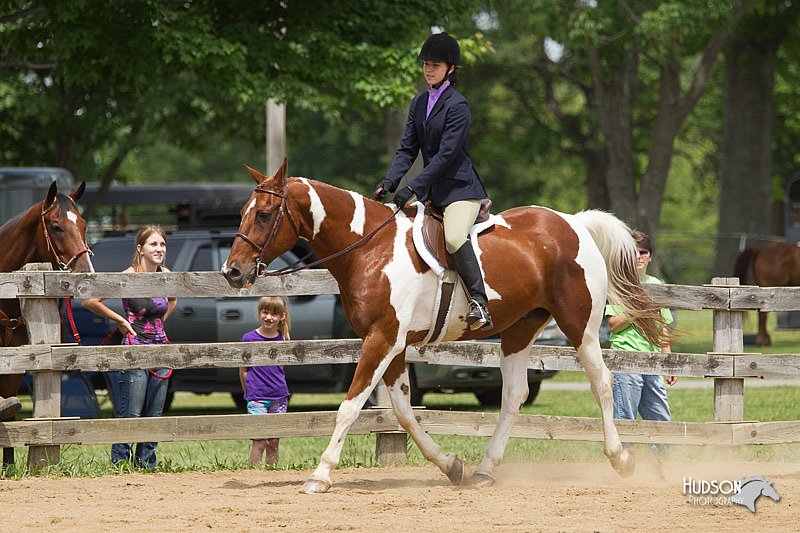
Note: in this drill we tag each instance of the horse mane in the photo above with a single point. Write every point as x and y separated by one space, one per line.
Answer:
744 264
618 248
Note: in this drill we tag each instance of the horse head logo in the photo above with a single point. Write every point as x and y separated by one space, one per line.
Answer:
752 488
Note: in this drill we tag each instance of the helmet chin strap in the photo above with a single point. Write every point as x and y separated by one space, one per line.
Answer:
446 76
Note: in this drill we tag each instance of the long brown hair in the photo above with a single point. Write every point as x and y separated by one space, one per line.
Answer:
278 305
141 237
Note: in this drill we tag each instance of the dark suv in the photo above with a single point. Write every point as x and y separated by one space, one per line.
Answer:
227 319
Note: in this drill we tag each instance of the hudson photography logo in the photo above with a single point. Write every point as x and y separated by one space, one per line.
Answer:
724 492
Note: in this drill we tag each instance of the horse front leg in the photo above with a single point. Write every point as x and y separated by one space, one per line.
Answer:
513 368
600 379
397 382
376 354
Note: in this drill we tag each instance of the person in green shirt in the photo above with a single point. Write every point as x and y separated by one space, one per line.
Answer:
640 393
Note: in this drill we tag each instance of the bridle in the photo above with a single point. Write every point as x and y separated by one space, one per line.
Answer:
50 248
261 266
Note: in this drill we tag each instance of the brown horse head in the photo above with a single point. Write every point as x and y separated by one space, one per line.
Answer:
51 230
267 229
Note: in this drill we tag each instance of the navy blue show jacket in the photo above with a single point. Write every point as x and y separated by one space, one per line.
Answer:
448 174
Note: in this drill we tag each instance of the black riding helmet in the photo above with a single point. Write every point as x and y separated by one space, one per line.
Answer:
440 47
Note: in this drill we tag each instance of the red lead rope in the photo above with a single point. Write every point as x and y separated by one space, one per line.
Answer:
77 336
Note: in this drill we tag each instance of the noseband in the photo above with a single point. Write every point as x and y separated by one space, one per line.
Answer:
261 266
61 265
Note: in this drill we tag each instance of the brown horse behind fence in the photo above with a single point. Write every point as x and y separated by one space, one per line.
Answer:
776 264
538 264
51 230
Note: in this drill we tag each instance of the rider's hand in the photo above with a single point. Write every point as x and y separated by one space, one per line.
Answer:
403 196
384 187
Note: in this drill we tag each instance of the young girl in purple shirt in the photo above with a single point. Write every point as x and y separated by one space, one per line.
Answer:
265 387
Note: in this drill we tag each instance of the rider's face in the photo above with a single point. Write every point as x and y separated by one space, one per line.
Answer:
434 71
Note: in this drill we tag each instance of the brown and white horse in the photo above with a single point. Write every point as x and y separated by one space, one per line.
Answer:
776 264
51 230
537 264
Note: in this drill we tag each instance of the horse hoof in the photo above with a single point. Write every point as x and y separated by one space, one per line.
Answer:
625 464
316 486
455 473
481 480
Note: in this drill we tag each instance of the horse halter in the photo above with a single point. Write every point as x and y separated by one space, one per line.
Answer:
261 266
50 248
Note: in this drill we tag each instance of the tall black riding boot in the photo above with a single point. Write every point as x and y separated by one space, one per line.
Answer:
467 267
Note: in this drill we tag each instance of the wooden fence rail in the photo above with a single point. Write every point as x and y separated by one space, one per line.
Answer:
46 359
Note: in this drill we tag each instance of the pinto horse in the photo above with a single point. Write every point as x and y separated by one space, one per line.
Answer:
776 264
51 230
537 264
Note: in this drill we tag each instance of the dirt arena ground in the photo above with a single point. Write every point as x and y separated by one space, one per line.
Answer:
549 497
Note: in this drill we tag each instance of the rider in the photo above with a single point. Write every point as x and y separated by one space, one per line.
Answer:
438 123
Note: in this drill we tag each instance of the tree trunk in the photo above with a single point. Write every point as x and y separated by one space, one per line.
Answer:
746 161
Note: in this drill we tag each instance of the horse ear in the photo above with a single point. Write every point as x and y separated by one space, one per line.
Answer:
282 174
78 192
51 194
258 176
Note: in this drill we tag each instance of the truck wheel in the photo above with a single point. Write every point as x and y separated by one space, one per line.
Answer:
493 397
238 399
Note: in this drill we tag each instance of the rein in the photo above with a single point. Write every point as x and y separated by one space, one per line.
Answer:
61 265
261 266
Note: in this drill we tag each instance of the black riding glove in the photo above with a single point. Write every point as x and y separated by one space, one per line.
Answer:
403 196
384 187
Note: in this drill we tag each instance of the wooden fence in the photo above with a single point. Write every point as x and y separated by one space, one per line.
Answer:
45 358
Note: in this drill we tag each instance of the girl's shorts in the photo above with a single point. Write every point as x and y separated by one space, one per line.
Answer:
267 407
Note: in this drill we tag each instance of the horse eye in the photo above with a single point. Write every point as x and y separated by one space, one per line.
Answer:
57 228
263 217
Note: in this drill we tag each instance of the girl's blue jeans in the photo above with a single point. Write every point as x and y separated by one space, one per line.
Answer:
137 393
643 394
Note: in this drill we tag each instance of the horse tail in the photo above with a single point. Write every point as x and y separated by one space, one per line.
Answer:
744 264
618 248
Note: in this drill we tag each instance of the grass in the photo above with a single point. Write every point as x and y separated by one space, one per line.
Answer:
690 405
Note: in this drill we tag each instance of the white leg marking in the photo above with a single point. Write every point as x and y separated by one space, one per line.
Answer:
515 390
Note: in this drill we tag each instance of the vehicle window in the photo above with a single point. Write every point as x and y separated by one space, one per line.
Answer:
202 260
277 263
115 255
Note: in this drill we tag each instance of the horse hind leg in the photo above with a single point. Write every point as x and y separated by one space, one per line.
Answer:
397 382
515 344
762 337
600 380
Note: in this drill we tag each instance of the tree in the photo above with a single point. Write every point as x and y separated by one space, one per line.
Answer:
88 81
747 180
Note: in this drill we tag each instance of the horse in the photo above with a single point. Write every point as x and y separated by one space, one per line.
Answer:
776 264
51 230
537 264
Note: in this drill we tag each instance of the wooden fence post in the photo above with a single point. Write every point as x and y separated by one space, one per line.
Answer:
390 447
44 327
728 392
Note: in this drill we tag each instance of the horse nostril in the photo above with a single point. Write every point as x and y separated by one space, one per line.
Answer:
233 273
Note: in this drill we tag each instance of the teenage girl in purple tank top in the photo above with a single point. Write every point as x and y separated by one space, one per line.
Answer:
140 392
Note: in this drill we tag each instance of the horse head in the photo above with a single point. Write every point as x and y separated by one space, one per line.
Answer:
63 235
267 229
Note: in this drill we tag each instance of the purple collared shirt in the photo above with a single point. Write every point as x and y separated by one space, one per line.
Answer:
433 96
